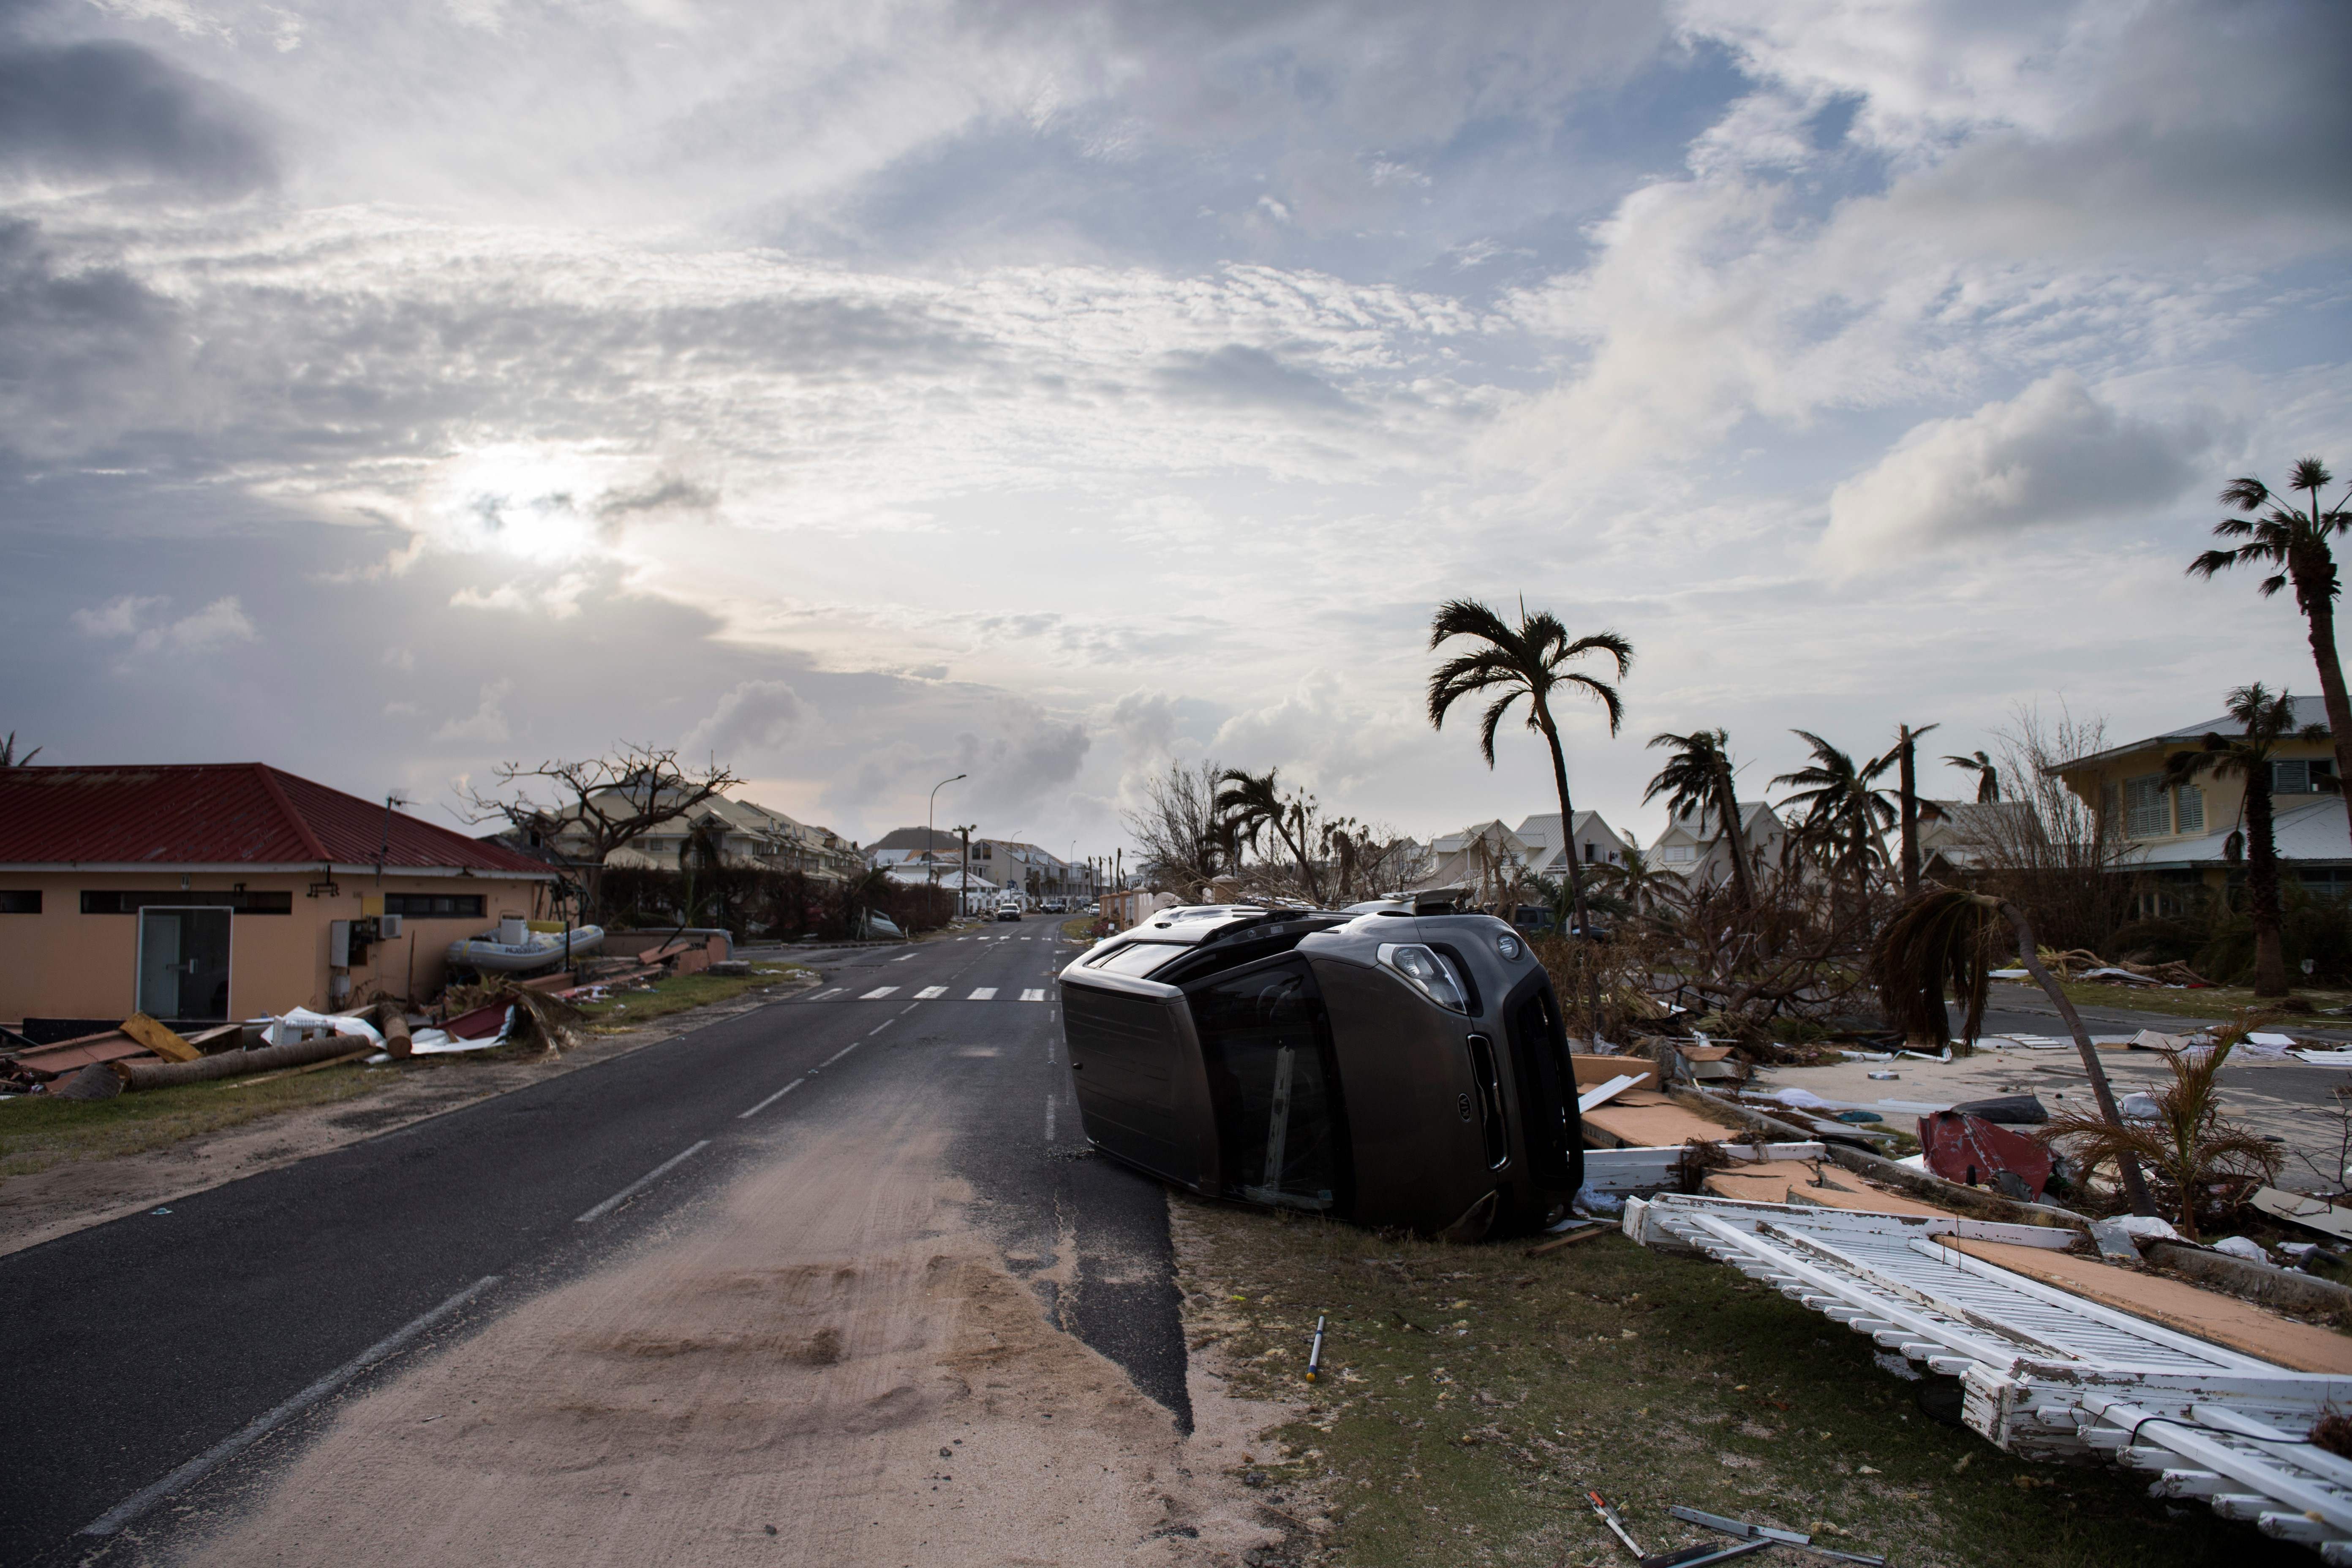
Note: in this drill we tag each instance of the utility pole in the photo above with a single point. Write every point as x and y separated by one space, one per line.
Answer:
963 872
930 814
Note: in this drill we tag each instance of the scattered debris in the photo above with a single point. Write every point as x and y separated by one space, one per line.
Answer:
1747 1532
2299 1208
1972 1151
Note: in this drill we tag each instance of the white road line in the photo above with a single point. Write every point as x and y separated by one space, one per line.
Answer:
641 1184
773 1098
910 1006
902 957
878 993
879 1028
229 1448
984 994
1033 995
841 1052
1049 1118
822 995
928 992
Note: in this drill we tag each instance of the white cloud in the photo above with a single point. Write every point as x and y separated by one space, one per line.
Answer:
2053 454
487 724
222 622
121 616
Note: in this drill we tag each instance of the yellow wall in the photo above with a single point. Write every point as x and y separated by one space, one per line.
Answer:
62 963
2223 796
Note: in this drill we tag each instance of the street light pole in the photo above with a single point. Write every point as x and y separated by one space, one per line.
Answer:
930 814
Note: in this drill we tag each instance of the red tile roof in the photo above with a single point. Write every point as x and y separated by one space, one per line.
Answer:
215 814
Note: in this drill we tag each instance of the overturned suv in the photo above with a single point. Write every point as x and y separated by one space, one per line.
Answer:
1385 1065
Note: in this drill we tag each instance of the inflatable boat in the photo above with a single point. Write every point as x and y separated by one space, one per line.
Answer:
1382 1065
514 947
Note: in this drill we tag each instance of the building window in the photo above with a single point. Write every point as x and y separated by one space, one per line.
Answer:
435 906
1676 853
2188 809
2148 814
111 902
2302 776
14 902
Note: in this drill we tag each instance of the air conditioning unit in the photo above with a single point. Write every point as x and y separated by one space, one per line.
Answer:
389 925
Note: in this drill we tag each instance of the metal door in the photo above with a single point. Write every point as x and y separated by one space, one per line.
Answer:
184 964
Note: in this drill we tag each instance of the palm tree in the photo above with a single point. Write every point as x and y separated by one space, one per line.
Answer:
1697 774
2187 1143
1942 935
1844 811
1643 883
2267 720
1988 775
2295 543
1531 660
1251 802
1906 746
8 757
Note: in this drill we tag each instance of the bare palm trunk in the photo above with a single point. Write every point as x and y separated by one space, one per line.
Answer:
1575 872
2135 1185
2263 889
1727 805
2319 617
1909 784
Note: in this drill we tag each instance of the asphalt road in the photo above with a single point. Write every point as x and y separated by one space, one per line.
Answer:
144 1345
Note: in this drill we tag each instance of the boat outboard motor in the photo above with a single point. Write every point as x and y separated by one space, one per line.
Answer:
1388 1066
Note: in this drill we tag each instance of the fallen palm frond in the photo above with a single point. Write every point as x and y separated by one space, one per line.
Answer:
2203 1162
1939 936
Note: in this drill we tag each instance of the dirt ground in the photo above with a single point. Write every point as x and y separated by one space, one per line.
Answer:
73 1194
826 1363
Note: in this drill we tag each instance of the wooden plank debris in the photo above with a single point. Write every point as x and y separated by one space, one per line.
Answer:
1824 1187
1593 1099
2206 1314
163 1042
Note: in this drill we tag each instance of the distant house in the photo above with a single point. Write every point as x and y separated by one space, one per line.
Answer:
2179 836
1694 845
208 892
1958 838
747 834
1493 856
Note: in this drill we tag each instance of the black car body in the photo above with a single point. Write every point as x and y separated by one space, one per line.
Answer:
1381 1065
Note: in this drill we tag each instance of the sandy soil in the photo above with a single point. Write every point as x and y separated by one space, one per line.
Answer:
829 1366
77 1193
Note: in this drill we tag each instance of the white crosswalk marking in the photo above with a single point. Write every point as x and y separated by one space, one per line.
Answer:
1033 995
985 993
877 993
822 995
928 992
902 957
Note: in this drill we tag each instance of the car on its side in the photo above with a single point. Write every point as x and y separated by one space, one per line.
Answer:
1054 906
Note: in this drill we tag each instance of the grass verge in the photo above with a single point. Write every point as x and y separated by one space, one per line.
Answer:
1471 1395
676 993
38 1132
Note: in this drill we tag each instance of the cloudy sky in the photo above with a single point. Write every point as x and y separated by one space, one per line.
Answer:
865 391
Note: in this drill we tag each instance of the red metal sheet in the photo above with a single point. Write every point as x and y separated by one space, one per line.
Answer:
1971 1151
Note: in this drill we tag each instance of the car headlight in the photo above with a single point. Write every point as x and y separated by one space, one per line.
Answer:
1427 973
1509 946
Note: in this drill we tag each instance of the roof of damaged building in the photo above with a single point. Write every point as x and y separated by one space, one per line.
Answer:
221 814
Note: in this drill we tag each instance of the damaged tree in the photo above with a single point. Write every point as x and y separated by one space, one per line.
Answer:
1948 935
605 803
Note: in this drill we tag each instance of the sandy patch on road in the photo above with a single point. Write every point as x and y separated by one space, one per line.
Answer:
76 1194
830 1366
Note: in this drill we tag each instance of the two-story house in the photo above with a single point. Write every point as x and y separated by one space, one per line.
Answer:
1694 845
2185 837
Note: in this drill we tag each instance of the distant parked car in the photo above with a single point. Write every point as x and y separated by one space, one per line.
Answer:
1008 908
1536 919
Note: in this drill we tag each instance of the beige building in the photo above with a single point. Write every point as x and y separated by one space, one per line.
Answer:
2179 836
747 834
210 893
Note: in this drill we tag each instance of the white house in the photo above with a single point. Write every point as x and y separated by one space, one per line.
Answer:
1695 846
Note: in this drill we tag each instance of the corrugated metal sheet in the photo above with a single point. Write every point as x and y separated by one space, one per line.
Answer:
215 814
